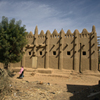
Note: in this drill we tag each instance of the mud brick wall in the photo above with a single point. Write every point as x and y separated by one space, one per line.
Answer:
73 51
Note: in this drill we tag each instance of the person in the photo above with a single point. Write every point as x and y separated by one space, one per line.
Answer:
21 72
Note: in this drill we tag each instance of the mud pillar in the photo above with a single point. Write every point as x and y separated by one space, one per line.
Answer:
47 49
61 49
35 41
76 53
23 59
94 50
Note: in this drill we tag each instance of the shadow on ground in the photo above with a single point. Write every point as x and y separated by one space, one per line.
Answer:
82 92
11 74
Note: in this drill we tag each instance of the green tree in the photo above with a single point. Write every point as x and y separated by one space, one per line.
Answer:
12 41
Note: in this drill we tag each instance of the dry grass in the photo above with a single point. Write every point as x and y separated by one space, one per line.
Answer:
4 83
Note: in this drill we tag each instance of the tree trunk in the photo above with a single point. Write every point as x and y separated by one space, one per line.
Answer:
6 66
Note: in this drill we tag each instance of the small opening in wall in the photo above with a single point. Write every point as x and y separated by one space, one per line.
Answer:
29 53
68 52
84 52
54 52
40 52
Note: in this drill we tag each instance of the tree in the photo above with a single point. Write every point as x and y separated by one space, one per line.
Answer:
12 41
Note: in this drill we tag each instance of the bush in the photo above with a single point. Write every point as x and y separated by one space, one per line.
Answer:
4 83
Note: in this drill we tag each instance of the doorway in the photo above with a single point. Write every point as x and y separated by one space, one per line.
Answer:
34 62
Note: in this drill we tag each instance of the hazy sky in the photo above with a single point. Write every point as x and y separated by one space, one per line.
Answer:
53 14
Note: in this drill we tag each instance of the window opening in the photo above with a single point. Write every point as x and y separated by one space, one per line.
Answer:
40 52
68 52
29 53
54 52
84 52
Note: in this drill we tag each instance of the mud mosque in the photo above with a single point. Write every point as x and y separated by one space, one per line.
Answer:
70 51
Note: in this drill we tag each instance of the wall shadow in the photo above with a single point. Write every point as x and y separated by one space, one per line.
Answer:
51 48
82 92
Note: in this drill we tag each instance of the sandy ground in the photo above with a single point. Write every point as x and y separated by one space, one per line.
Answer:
60 77
74 86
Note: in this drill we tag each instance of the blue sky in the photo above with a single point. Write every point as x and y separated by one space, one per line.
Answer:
53 14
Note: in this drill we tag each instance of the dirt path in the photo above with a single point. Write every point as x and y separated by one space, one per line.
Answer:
75 79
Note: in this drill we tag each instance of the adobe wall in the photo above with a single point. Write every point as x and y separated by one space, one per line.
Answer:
41 58
74 51
53 47
68 47
71 51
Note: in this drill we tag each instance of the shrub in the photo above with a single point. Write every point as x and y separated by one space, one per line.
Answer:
4 83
